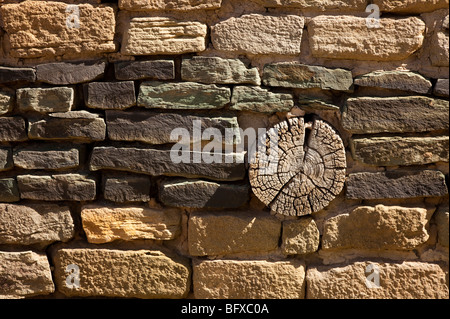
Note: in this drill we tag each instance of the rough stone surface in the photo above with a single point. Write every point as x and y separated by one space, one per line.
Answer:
24 274
183 96
172 5
81 126
396 184
411 6
35 224
408 280
167 36
256 99
441 219
126 188
232 279
156 127
366 115
32 36
106 224
215 70
259 34
300 76
246 233
397 39
48 157
110 95
62 187
11 75
50 100
70 73
145 274
158 162
6 102
203 194
300 237
12 129
395 80
141 70
381 228
9 191
393 151
6 161
442 88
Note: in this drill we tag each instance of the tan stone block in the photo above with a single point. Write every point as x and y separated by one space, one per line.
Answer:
349 37
300 237
47 29
259 34
172 5
145 274
157 36
411 6
317 5
381 227
408 280
230 233
106 224
231 279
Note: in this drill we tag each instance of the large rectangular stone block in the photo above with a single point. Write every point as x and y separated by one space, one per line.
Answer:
246 233
106 224
47 157
63 73
141 70
317 5
257 99
145 274
50 100
300 237
245 279
395 80
11 75
47 29
122 188
110 95
411 6
13 129
173 5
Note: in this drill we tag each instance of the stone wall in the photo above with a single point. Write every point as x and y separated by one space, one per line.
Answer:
93 205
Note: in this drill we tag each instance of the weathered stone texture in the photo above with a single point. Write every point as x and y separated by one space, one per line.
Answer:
158 36
397 39
442 88
6 161
441 219
411 6
246 233
393 151
396 184
35 224
70 73
126 188
172 5
50 100
10 75
395 80
231 279
6 102
140 70
9 191
12 129
44 29
48 157
408 280
257 99
110 95
259 34
368 115
24 274
106 224
145 274
300 237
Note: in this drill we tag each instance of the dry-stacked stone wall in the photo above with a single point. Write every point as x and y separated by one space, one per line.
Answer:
124 170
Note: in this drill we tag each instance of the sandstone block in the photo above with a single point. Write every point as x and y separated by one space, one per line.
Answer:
411 6
396 184
78 126
203 194
6 102
259 34
6 160
317 5
12 129
395 80
62 187
79 30
47 157
110 95
63 73
8 191
246 233
50 100
141 70
144 274
24 274
397 39
442 88
126 188
441 218
10 75
408 280
174 5
106 224
156 162
159 36
257 99
439 53
403 151
232 279
300 237
183 96
215 70
368 115
35 224
380 228
300 76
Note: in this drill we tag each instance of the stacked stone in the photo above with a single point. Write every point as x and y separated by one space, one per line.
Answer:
86 133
